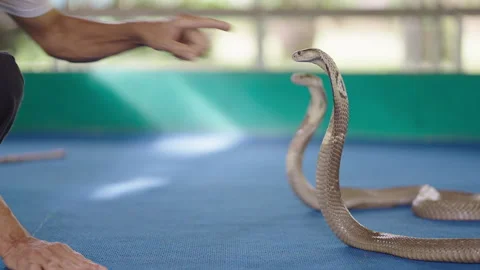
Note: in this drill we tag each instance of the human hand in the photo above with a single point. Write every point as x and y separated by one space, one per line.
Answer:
180 36
35 254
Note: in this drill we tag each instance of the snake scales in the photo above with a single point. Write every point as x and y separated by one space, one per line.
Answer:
334 202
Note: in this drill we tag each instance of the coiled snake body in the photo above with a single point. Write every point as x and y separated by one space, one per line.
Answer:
334 202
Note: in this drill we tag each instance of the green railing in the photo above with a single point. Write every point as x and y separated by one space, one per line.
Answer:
424 107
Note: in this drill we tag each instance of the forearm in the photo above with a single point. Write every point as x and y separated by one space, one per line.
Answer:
81 40
11 230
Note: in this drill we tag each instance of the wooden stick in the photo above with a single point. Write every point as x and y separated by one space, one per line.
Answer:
48 155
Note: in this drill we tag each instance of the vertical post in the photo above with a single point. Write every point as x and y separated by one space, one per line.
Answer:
458 44
119 4
260 33
437 38
414 38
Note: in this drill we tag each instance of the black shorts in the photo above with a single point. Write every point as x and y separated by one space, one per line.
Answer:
11 92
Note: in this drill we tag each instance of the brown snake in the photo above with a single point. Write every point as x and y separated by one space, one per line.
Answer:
334 202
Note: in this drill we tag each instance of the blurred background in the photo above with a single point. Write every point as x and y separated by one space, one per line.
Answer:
387 35
377 44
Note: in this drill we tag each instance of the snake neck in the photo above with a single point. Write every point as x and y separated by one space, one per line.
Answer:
313 117
329 196
334 139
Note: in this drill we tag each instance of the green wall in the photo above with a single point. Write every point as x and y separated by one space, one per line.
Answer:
382 106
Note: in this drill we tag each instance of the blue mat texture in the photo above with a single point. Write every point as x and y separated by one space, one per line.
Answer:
138 204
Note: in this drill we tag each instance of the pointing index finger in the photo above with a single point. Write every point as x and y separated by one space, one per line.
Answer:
202 22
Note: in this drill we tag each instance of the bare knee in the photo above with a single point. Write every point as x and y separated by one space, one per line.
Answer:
11 78
11 92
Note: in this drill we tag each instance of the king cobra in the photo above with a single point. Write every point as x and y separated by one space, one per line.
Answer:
334 202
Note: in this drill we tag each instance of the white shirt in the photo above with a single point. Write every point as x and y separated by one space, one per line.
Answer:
25 8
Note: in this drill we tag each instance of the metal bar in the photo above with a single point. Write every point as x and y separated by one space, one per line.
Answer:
414 42
438 39
160 12
260 33
458 44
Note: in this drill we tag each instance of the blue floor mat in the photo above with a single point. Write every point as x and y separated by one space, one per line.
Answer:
150 204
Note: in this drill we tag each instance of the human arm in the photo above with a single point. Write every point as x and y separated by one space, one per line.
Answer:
83 40
11 230
21 251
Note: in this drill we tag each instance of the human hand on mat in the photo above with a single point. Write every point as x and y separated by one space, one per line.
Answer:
34 254
180 36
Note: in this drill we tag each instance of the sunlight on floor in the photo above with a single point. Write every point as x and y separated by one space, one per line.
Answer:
115 190
197 145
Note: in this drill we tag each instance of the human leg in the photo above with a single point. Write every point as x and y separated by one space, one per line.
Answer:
11 92
18 249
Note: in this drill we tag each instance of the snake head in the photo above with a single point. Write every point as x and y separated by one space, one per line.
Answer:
306 55
306 79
